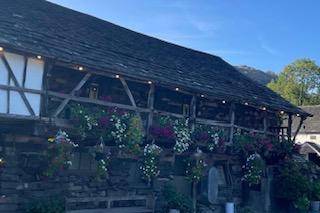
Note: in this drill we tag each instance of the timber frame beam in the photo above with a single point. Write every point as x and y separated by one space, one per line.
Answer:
66 100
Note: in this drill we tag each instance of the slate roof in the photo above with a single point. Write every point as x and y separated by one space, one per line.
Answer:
311 124
41 27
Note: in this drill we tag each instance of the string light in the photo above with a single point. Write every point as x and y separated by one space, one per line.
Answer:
39 57
202 96
177 89
1 49
246 103
282 112
117 76
149 82
264 108
80 68
298 115
223 101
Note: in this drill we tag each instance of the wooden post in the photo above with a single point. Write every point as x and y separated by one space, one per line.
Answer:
298 128
289 129
194 196
133 102
265 124
232 114
45 82
150 107
193 112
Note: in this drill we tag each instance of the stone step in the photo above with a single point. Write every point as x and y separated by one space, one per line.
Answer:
114 210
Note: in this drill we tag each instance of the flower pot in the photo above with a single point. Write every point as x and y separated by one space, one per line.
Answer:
230 207
174 211
315 206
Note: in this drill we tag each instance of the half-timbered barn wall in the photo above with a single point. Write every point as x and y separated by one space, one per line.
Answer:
44 93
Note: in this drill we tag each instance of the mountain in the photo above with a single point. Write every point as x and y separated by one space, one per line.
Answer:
257 75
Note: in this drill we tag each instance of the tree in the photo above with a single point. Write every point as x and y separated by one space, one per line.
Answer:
299 82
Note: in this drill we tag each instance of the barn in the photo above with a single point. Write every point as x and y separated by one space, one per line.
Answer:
95 117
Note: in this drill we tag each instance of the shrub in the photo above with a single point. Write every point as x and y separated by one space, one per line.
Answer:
176 200
292 183
48 205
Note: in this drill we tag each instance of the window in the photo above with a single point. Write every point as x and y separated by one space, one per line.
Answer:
313 137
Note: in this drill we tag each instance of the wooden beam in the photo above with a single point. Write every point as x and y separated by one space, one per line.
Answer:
8 95
151 107
232 114
289 129
12 76
24 71
133 102
193 112
265 123
48 65
19 89
66 101
299 127
95 101
128 91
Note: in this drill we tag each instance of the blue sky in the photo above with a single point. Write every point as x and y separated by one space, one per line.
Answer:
266 34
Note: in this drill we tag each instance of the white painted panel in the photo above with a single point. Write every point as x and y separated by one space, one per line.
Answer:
3 74
17 105
34 100
16 63
3 101
34 74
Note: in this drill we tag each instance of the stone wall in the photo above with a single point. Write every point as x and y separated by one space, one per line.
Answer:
20 183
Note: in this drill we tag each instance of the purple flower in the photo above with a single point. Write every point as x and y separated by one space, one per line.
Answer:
104 121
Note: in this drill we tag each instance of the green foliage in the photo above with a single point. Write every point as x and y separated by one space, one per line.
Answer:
299 82
302 204
134 135
244 209
125 128
195 170
292 182
176 200
149 167
59 154
315 190
253 170
48 205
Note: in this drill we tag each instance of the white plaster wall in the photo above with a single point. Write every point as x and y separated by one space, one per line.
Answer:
33 80
301 138
3 101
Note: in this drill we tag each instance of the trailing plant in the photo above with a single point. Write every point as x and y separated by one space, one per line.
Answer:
244 144
182 135
134 135
253 170
86 122
176 200
47 205
150 162
195 169
208 135
162 128
125 128
60 150
270 150
103 159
